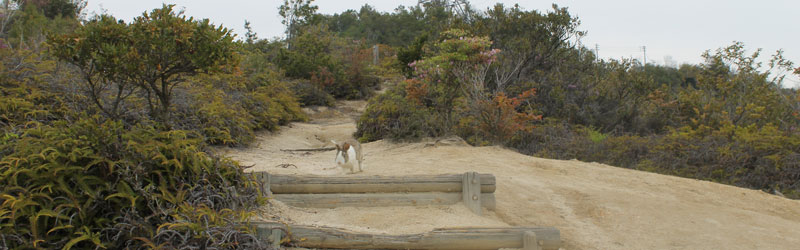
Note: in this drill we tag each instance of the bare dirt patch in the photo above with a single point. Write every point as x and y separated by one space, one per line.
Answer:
595 206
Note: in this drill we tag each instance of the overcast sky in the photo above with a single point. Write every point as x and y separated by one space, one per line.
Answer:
681 29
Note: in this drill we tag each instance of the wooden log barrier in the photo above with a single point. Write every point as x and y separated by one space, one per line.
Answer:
475 190
379 200
315 184
451 238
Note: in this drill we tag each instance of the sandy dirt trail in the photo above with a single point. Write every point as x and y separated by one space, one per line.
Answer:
595 206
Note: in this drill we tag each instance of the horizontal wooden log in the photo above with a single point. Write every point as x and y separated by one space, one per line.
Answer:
309 149
378 199
459 238
314 184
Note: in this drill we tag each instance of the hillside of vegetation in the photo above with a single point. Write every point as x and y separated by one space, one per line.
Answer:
106 125
518 78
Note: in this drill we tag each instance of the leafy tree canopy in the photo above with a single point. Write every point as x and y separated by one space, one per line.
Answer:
154 53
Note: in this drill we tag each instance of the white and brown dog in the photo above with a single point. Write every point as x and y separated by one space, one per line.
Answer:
348 154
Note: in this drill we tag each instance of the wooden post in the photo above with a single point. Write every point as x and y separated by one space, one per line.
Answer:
265 179
264 232
530 242
275 238
471 192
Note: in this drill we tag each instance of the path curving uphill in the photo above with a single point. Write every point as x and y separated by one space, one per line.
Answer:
595 206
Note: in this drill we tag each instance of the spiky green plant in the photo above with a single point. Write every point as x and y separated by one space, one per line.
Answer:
97 184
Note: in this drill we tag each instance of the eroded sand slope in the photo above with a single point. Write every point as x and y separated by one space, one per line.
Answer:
594 205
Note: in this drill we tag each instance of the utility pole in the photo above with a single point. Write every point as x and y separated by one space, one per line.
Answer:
597 64
597 52
375 53
644 53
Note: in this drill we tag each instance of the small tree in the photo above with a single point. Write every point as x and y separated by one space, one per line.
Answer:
101 49
296 14
735 89
458 70
154 54
250 36
170 47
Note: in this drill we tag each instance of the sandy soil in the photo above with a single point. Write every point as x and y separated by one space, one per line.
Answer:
595 206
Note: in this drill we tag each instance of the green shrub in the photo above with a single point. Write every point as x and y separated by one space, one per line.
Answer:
272 106
450 93
95 184
759 157
337 66
221 119
553 139
310 94
27 80
410 54
595 136
356 79
227 108
391 116
623 151
309 51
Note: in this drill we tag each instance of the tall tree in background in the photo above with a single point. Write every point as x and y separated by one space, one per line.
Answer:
249 36
8 9
54 8
413 52
536 40
28 22
737 91
296 13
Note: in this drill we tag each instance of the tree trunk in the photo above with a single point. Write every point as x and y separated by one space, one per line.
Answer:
164 98
163 115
